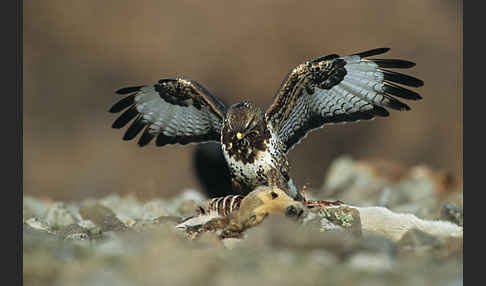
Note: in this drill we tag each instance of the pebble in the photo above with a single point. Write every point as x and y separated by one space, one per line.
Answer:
83 241
58 216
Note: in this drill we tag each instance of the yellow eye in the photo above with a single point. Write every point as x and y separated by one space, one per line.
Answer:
239 135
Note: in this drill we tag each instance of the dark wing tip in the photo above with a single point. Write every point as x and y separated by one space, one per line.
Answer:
393 63
398 105
402 78
126 116
379 111
145 138
122 104
130 89
135 128
399 91
163 140
373 52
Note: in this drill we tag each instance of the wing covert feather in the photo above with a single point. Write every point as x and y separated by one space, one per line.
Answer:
334 89
175 110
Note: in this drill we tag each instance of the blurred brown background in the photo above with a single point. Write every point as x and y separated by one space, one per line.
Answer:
76 53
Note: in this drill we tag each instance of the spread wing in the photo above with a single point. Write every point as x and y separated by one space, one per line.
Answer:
174 110
334 89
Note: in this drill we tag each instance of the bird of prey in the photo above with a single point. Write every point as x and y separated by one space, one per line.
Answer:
329 89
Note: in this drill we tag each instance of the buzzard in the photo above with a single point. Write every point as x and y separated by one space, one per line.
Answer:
329 89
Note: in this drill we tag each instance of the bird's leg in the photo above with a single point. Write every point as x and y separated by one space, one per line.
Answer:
275 178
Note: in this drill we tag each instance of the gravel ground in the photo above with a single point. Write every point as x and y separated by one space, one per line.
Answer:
120 240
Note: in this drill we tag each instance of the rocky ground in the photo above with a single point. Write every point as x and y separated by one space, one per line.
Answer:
124 241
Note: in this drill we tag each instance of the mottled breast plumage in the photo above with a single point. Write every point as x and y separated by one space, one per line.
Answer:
249 145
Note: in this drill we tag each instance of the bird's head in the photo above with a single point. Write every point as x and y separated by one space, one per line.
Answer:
243 120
